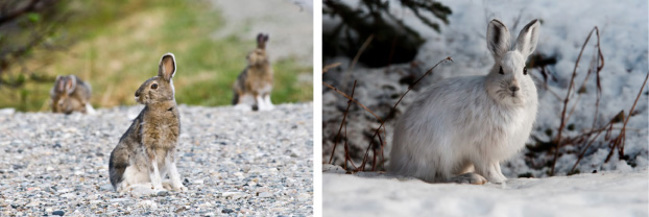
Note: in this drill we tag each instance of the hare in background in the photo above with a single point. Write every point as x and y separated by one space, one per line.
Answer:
71 94
254 84
146 152
461 128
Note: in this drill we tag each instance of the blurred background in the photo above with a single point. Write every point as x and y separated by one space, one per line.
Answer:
116 45
386 45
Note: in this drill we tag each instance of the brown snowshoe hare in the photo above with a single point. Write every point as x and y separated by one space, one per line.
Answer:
146 152
254 84
71 94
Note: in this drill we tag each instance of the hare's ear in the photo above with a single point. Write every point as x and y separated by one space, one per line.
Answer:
261 40
167 67
59 84
497 38
70 84
528 38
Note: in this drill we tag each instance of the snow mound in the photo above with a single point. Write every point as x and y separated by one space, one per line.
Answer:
600 194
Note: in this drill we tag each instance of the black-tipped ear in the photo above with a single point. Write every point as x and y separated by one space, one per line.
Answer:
497 38
528 38
167 68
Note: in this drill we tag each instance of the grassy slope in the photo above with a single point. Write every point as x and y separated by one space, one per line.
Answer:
119 45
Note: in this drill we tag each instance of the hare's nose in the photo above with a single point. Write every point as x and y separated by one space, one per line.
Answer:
137 94
514 88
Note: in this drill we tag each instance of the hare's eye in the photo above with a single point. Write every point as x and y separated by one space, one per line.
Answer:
525 71
154 86
501 71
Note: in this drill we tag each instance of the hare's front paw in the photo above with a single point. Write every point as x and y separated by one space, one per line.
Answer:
177 186
497 178
167 185
182 188
494 174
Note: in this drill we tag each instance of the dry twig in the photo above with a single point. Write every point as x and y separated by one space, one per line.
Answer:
349 104
570 88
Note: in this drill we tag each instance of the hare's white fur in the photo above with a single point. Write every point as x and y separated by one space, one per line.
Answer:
470 124
90 110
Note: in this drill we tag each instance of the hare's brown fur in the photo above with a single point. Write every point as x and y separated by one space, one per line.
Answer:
149 145
257 78
70 94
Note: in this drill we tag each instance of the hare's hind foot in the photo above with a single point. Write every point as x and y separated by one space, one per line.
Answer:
469 178
90 110
168 185
264 103
269 104
492 172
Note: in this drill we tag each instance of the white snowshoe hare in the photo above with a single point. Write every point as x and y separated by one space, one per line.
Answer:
461 128
71 94
254 84
146 152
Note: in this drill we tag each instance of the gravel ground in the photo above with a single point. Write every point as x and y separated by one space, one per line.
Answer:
233 162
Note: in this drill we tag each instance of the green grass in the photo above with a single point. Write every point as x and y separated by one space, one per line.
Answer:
118 45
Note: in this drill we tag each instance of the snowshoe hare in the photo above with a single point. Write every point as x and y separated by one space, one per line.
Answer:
461 128
146 152
254 84
71 94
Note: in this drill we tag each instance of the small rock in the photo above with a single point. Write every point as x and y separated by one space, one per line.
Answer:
328 168
106 187
162 193
226 211
148 205
58 212
265 194
229 194
117 200
7 111
68 195
64 190
181 209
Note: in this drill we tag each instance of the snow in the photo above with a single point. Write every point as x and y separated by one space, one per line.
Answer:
602 194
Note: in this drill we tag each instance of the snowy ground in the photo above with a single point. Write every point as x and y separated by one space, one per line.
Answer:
233 162
601 194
